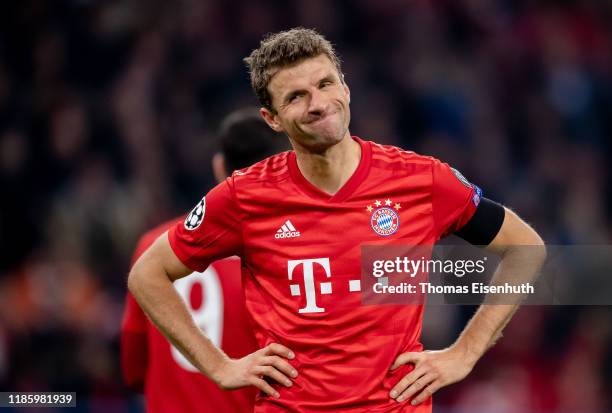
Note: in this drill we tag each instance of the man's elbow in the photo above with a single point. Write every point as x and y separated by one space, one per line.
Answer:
539 249
135 277
148 272
533 247
516 237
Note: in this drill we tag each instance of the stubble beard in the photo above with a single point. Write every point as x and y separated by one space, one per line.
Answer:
317 142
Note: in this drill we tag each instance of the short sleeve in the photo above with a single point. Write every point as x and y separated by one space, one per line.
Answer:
211 231
454 199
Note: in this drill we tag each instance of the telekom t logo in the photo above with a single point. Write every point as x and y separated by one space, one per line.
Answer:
309 282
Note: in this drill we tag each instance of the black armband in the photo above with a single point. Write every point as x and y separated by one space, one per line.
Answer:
484 224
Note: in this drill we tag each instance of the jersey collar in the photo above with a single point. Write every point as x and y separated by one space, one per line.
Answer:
347 189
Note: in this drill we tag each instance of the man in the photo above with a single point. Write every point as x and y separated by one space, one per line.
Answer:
298 220
214 298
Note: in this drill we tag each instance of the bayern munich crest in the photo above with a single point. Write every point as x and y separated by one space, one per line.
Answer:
384 220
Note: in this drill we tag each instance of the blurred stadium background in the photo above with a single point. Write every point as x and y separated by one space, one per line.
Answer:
107 119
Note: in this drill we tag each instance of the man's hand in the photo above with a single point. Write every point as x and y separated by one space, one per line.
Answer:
432 370
523 253
251 370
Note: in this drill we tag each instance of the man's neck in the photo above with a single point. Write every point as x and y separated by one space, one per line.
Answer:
330 169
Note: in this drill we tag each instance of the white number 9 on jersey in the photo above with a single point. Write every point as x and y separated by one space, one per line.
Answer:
204 298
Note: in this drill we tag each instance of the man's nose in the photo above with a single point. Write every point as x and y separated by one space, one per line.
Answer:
318 103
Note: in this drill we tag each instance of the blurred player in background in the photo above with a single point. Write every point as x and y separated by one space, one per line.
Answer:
298 220
150 364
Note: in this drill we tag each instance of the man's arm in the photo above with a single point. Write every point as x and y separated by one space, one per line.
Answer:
436 369
150 282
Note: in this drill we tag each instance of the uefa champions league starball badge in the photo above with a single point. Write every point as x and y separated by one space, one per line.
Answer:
195 217
384 220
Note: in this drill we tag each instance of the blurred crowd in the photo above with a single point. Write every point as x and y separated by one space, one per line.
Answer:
108 111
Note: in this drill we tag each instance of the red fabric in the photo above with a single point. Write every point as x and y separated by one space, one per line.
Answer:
343 349
148 361
134 349
452 200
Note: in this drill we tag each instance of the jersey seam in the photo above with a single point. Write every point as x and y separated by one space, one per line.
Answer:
440 232
281 177
433 209
466 204
242 214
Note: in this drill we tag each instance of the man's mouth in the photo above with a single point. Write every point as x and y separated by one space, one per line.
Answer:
318 119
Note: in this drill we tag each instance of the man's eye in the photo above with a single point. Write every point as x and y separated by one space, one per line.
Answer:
326 83
293 98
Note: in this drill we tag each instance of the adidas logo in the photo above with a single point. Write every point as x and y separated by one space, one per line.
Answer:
287 231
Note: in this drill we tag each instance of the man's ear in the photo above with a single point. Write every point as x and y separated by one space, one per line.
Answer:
346 89
271 119
218 167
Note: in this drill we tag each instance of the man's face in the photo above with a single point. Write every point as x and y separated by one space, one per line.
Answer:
311 102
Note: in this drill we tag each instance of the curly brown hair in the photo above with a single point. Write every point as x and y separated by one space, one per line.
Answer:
278 50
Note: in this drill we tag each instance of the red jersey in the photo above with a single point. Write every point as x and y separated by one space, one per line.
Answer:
150 363
300 250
